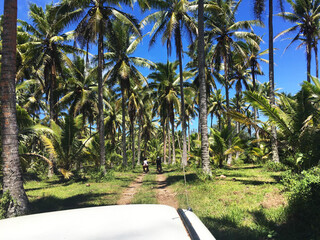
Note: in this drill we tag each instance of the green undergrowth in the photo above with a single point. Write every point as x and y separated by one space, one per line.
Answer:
146 194
54 194
243 202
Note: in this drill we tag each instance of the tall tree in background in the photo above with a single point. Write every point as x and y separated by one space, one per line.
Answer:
121 43
170 21
224 28
203 93
259 8
305 16
92 28
12 179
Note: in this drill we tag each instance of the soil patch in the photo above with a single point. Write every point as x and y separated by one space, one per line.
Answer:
165 195
128 194
273 199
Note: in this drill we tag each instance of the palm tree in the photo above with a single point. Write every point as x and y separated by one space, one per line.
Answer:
170 21
259 8
167 86
81 90
203 93
12 179
47 48
122 43
217 106
92 28
224 29
135 104
305 16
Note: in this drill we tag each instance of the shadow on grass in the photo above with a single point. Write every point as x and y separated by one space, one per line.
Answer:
243 167
191 178
48 204
253 182
225 228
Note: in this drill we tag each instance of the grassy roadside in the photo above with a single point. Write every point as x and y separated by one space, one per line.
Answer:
53 195
246 202
243 202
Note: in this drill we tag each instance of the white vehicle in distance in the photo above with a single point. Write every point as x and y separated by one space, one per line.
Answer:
117 222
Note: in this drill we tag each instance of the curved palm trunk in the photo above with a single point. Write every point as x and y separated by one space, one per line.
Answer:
100 104
183 116
203 95
274 139
12 179
124 146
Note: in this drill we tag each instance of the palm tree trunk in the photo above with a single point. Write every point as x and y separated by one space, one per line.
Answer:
274 139
226 79
169 142
254 89
308 59
164 144
100 104
124 145
203 95
316 56
139 140
183 117
189 136
133 144
173 142
53 114
12 176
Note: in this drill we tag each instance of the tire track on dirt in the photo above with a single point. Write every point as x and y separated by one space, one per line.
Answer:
165 195
129 192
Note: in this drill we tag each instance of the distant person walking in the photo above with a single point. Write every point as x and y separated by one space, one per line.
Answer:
159 167
145 165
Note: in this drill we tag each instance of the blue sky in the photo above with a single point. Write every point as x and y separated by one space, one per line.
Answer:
290 66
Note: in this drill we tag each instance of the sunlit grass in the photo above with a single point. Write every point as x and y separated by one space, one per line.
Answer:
55 195
239 206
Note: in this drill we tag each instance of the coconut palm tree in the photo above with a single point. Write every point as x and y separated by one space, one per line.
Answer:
47 48
203 93
166 83
216 106
305 16
98 16
12 179
259 8
225 30
122 43
170 21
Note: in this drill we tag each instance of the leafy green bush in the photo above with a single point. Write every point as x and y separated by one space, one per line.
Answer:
303 210
4 204
97 175
275 167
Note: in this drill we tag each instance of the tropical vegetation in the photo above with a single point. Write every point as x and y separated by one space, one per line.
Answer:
78 101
